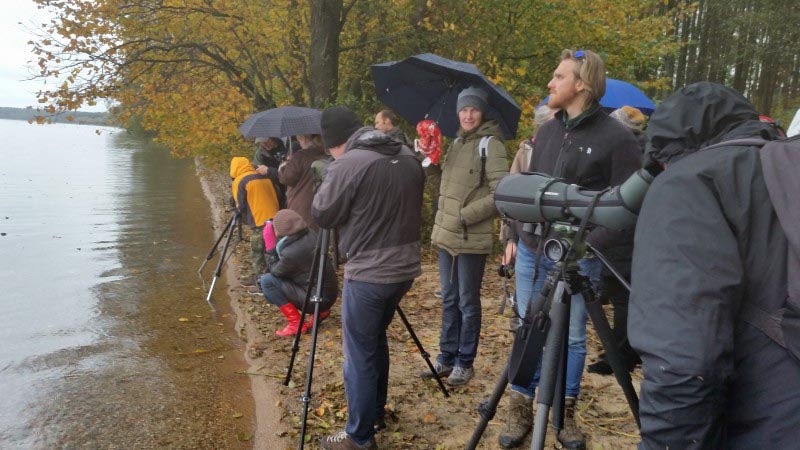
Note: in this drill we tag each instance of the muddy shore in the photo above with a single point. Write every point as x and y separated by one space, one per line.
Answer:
420 415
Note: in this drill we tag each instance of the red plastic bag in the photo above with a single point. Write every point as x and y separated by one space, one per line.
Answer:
430 140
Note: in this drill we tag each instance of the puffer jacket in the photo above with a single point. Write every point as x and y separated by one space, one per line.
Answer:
293 266
464 220
254 194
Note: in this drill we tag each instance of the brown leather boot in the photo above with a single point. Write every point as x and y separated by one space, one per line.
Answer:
519 422
571 436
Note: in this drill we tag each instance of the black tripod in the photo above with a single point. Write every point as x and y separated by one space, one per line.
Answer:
318 266
547 322
233 223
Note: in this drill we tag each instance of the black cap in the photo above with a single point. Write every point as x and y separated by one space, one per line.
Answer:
338 123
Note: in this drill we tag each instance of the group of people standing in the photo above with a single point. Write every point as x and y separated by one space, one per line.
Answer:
372 194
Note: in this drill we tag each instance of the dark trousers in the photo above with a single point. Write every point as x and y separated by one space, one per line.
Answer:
460 277
618 297
367 310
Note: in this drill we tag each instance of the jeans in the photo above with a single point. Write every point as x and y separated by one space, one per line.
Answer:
460 277
272 288
367 310
526 290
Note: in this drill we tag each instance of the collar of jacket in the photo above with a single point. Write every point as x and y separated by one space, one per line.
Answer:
487 128
573 123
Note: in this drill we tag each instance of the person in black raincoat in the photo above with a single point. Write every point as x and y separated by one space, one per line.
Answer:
708 246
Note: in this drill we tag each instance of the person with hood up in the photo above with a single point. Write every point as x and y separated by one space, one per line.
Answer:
257 202
298 177
289 272
709 261
464 232
583 146
373 193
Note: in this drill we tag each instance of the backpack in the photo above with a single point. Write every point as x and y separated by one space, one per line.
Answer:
483 150
780 163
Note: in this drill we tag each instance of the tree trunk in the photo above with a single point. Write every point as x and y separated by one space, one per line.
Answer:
326 26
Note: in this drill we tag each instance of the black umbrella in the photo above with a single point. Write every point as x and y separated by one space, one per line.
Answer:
426 86
281 122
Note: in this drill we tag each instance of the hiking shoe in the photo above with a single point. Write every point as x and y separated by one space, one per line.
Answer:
571 436
249 281
254 290
519 422
341 441
442 369
460 375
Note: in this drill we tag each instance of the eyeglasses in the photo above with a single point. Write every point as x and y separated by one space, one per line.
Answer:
579 54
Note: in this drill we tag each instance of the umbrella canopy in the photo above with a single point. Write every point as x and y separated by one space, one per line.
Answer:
281 122
426 86
621 93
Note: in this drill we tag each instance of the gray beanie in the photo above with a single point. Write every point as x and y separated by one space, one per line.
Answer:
474 97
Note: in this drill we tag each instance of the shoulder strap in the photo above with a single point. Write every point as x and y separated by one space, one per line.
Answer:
483 149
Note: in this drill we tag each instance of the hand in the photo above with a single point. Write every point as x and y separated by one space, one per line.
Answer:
510 254
652 166
262 169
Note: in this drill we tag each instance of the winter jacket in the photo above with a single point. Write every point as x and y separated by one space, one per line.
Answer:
397 134
254 194
594 151
464 220
293 266
298 178
272 158
373 194
708 246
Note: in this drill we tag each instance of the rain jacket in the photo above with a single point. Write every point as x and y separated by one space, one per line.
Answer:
708 246
297 176
254 194
464 220
294 268
373 193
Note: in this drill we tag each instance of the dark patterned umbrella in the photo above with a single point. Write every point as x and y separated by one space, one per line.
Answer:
282 122
426 86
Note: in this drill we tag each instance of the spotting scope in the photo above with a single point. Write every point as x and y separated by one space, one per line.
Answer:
536 197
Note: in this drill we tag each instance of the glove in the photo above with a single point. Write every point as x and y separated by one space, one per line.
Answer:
652 166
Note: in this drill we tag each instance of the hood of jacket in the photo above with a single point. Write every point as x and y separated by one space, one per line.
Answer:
487 128
700 115
240 166
368 138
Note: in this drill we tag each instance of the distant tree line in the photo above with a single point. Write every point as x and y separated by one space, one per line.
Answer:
40 116
192 70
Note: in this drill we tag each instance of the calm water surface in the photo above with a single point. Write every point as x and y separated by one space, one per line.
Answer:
106 340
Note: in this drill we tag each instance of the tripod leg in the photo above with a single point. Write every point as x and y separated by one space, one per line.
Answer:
296 343
615 359
218 270
216 244
561 379
422 351
487 409
552 358
317 300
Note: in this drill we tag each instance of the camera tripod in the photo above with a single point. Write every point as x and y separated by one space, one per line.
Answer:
234 223
318 263
544 335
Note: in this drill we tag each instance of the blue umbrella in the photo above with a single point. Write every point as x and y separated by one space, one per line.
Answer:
426 86
621 93
282 122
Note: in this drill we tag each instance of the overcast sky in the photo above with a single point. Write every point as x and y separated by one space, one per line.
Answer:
16 18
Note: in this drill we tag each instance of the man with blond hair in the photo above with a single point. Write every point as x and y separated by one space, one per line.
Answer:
582 145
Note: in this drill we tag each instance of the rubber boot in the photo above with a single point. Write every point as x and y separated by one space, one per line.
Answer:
519 422
570 436
293 316
307 326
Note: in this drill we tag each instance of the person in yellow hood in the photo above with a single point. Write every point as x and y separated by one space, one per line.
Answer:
257 202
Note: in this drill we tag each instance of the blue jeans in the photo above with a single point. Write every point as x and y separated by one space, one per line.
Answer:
367 310
271 286
526 290
460 277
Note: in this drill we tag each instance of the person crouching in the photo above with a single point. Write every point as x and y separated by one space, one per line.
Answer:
289 272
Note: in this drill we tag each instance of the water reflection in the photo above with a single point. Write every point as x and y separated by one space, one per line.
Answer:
110 341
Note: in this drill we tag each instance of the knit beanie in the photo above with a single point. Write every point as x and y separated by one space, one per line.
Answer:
338 124
474 97
287 222
630 117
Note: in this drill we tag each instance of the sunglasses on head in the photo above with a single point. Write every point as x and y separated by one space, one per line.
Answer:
578 54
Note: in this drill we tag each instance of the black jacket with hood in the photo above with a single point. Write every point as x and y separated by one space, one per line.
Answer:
293 266
708 244
373 194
